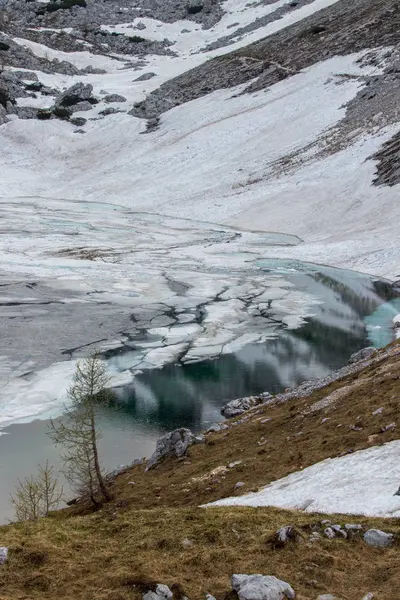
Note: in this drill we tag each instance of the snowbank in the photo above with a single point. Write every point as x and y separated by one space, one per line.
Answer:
362 483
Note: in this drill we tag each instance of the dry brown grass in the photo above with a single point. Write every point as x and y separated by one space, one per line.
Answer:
139 536
98 557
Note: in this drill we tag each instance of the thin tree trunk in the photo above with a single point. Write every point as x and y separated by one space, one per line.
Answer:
106 493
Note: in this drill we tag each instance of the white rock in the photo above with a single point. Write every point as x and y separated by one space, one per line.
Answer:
353 527
3 555
164 591
329 533
215 427
369 596
261 587
327 597
378 411
378 539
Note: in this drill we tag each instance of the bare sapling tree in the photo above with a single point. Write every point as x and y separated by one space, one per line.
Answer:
37 495
78 432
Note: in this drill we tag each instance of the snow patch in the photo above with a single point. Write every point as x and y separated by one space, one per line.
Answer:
362 483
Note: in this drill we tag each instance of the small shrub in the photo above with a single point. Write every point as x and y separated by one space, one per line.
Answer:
37 495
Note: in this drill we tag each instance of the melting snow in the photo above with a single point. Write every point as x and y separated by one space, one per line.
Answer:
362 483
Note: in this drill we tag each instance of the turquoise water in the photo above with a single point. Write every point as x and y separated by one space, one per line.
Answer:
380 323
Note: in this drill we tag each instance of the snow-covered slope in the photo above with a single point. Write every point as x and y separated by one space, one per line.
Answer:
362 483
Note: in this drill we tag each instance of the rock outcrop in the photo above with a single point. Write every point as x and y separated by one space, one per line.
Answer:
237 407
77 93
261 587
175 443
362 354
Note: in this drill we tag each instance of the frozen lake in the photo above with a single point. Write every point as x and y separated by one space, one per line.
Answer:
344 311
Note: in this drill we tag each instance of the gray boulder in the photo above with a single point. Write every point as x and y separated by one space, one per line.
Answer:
114 98
327 597
285 535
3 555
26 75
369 596
78 121
362 354
145 77
175 443
109 111
378 538
329 533
237 407
215 427
75 94
261 587
81 106
353 527
195 6
27 112
162 592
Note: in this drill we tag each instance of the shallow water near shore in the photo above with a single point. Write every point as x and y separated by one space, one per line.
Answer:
191 394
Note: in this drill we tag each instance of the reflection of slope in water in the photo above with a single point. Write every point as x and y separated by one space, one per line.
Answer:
192 394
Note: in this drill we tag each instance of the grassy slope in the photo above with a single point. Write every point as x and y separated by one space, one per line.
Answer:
140 535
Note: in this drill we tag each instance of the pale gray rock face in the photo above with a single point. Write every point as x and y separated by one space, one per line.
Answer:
378 539
175 443
3 555
261 587
327 597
